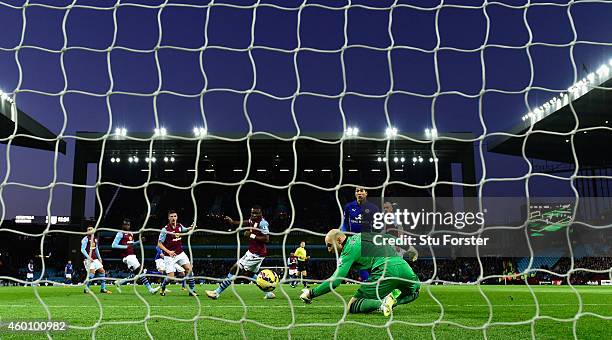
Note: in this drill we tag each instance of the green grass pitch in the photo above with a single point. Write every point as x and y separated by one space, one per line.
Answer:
464 314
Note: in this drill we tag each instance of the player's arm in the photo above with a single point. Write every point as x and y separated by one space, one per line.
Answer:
84 249
345 263
140 240
116 241
160 252
160 243
186 230
233 222
264 237
345 219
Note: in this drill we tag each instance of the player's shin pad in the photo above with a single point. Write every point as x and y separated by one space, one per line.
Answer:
191 281
165 283
225 283
143 280
364 306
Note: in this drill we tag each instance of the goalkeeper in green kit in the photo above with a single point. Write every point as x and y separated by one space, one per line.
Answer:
392 282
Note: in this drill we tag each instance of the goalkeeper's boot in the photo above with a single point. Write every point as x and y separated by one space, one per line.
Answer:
212 294
162 291
105 291
269 296
386 307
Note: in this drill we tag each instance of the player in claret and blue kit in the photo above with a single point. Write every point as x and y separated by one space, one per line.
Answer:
160 264
124 240
258 235
292 264
171 244
93 261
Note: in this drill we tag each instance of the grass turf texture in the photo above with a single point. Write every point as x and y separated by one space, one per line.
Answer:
229 318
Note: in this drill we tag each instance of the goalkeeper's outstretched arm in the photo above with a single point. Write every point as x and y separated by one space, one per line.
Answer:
335 280
345 262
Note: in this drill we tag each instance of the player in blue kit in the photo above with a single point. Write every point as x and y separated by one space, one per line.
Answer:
68 270
358 214
358 217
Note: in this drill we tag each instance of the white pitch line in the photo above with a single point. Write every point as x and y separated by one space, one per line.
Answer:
303 306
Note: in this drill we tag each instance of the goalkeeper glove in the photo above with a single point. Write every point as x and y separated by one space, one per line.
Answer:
306 296
413 254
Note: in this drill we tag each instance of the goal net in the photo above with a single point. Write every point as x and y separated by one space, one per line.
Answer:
466 121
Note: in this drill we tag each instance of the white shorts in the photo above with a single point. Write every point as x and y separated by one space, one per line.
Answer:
132 262
292 271
93 265
250 262
30 275
178 261
69 276
160 264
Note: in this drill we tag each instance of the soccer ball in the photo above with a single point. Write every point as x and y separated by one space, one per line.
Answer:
267 280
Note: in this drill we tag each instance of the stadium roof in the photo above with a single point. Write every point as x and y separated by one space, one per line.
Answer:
225 158
592 131
234 149
30 133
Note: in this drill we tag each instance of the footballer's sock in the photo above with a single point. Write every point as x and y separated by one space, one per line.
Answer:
183 283
365 306
191 282
122 281
304 282
403 299
145 282
103 281
226 283
91 277
165 283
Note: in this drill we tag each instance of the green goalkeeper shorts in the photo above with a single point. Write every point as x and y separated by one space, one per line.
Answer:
397 276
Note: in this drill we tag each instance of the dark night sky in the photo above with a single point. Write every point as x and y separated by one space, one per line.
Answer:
186 29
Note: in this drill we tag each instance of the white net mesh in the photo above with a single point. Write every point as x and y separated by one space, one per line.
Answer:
391 34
